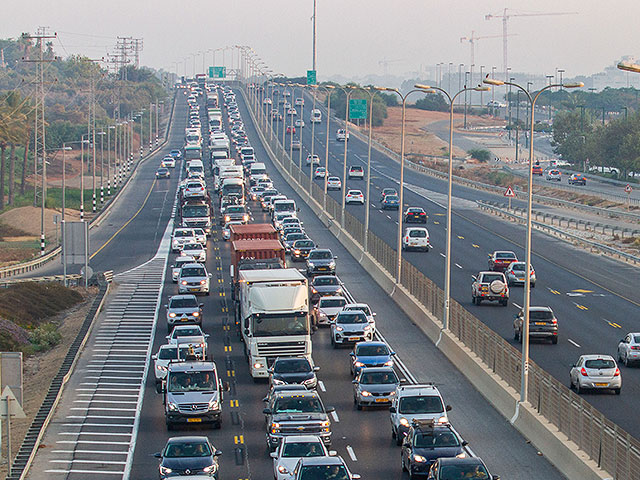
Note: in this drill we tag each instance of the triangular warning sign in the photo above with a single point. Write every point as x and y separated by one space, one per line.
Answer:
8 401
509 192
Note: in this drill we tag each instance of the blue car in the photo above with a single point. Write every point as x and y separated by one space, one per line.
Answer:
391 202
370 354
177 154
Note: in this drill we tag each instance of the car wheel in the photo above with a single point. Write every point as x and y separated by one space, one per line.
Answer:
578 389
333 342
218 425
404 467
554 340
533 285
620 359
515 334
504 303
169 426
627 363
617 391
399 439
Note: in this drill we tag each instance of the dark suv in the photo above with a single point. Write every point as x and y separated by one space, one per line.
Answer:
427 441
542 324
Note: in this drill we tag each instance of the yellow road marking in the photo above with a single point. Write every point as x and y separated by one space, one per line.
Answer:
237 439
436 223
555 292
439 214
234 403
581 307
460 237
128 221
227 348
231 373
475 246
579 290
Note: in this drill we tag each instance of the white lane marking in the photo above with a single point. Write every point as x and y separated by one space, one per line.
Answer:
99 472
106 462
321 385
516 305
105 452
443 255
459 266
334 414
388 217
574 343
351 453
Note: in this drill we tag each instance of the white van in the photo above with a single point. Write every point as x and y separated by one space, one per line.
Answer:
316 116
287 207
195 168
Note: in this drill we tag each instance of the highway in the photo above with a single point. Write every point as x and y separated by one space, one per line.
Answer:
593 297
362 438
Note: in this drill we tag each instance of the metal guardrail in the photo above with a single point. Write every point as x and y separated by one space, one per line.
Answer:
593 246
25 267
613 449
72 280
36 431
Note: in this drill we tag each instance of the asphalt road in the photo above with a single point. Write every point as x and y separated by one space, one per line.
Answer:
371 451
593 297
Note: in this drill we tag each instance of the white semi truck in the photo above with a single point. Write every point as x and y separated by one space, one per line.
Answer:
273 315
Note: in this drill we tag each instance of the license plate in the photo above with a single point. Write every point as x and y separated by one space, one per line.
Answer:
540 323
194 289
323 268
354 339
381 400
601 384
194 420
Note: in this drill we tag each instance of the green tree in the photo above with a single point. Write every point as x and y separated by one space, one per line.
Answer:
434 102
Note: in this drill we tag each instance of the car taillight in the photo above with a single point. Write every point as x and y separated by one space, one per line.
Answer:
617 374
635 348
554 321
583 372
422 213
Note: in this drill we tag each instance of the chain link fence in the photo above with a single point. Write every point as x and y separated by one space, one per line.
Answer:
612 448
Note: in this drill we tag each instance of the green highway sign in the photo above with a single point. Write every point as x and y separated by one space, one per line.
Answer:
358 109
311 77
217 72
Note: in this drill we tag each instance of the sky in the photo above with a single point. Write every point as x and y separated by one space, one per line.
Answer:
354 36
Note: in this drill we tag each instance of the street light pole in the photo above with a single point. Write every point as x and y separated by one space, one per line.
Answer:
346 141
524 386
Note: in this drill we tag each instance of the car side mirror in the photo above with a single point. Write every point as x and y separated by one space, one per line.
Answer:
206 335
392 409
316 369
154 357
448 408
355 476
374 314
159 388
166 306
270 370
273 454
474 278
354 382
168 337
211 274
201 305
330 409
225 386
465 443
333 453
267 411
495 477
157 455
217 453
351 354
335 257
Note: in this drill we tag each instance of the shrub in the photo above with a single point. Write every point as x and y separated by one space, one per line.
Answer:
45 337
480 154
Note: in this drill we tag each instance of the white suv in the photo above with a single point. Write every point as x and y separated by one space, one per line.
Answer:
415 402
416 238
342 135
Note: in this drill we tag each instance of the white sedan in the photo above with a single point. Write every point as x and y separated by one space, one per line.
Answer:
168 162
315 159
334 183
299 123
179 262
195 250
354 196
595 372
416 238
292 449
320 172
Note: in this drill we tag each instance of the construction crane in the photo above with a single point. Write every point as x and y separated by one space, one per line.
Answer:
472 43
385 64
505 16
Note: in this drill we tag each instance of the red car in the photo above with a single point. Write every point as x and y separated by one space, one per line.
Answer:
291 129
499 261
537 170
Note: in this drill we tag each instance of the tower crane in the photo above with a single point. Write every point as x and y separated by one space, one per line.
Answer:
472 43
505 16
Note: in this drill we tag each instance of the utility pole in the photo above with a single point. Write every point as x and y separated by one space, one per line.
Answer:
40 150
315 53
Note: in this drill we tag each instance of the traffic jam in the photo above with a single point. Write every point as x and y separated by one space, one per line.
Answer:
283 287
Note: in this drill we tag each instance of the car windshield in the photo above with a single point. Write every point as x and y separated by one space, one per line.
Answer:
304 244
275 325
320 255
372 350
235 209
186 332
391 198
378 378
636 339
435 440
183 233
600 363
457 472
389 191
192 272
505 255
323 281
324 472
195 211
184 302
303 449
517 267
297 404
363 308
292 365
193 246
540 314
425 404
352 317
192 381
488 278
187 449
292 237
332 302
418 234
170 353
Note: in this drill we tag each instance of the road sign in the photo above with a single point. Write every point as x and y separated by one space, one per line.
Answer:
8 401
217 72
627 188
509 192
311 77
358 109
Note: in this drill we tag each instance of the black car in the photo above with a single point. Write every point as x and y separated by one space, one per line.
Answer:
301 249
427 441
163 172
293 370
470 467
188 456
324 285
321 261
415 215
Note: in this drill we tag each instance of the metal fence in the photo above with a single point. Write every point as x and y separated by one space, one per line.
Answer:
613 449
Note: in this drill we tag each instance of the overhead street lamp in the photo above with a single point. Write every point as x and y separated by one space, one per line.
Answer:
401 192
328 89
351 89
524 387
447 270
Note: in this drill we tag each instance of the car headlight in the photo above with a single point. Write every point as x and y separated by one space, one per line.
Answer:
419 459
196 314
461 455
165 470
404 422
275 427
323 315
326 423
172 406
365 393
227 218
172 315
245 217
162 368
367 327
210 468
443 419
258 365
359 364
388 363
313 290
297 252
214 405
283 470
183 282
393 393
309 381
203 282
332 264
311 264
276 381
339 329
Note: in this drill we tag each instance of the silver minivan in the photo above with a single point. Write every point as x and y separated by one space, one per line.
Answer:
194 278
